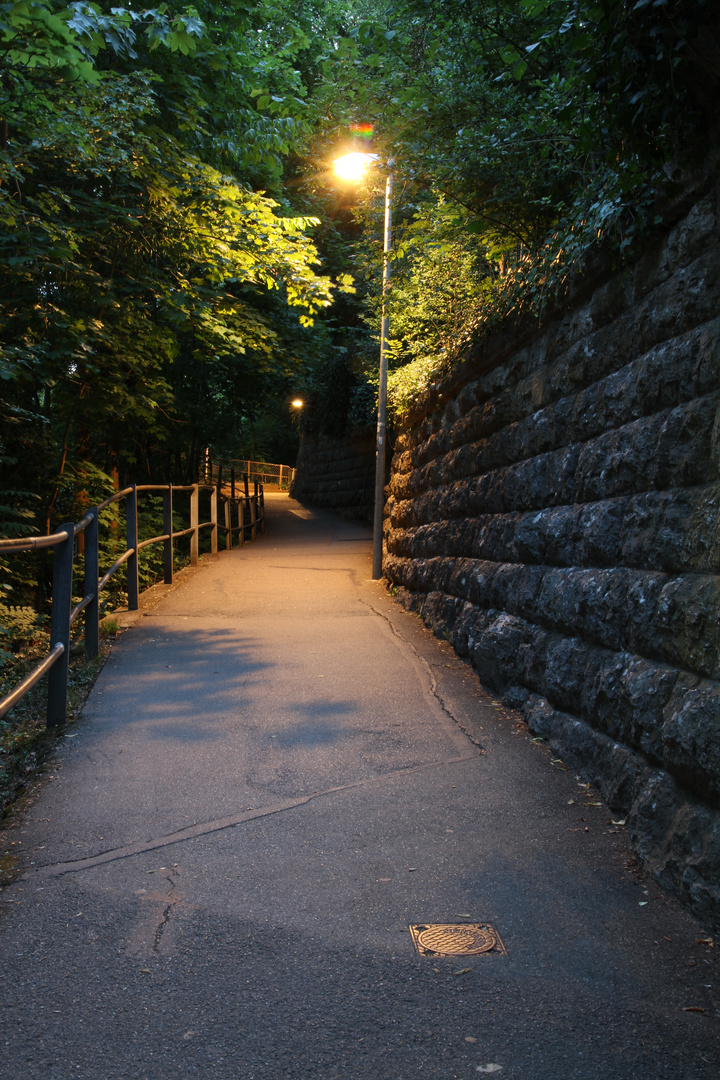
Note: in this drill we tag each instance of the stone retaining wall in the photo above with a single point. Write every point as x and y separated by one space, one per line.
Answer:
557 518
338 474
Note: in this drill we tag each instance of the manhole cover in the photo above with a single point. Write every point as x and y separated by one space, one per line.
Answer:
456 939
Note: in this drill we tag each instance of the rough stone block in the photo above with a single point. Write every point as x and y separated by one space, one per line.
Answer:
683 456
689 623
691 735
464 629
678 838
566 661
586 602
641 631
496 653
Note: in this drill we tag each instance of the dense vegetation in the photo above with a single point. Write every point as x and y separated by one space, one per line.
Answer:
177 259
528 137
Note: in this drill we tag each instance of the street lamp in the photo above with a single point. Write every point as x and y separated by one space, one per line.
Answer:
352 167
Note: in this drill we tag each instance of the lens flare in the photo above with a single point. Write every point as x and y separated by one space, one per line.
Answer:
351 166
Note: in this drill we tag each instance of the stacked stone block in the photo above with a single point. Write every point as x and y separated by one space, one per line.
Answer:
558 519
338 474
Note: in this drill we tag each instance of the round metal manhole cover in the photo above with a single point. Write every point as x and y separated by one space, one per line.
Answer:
457 940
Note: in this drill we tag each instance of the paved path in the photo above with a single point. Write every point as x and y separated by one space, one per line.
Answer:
278 771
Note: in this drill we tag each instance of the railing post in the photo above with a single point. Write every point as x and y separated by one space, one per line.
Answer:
253 511
92 611
228 523
262 510
280 487
131 534
168 530
246 487
241 519
60 626
194 519
213 520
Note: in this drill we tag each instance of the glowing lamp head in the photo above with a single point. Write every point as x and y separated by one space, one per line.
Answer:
352 166
297 403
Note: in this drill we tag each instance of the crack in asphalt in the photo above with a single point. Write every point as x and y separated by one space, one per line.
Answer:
166 913
432 681
159 931
52 870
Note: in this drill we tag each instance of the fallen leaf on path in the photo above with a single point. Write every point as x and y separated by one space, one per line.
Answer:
706 941
622 821
642 903
693 1008
145 971
462 971
491 1067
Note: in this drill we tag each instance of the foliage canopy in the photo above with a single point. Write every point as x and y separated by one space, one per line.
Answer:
527 135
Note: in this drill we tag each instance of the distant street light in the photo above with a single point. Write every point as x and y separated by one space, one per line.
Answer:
352 167
297 403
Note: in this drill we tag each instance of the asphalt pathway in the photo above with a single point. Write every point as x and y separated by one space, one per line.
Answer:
278 772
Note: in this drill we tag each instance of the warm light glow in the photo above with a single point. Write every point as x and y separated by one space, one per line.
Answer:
297 403
352 166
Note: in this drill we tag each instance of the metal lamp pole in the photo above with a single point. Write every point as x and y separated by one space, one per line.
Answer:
377 571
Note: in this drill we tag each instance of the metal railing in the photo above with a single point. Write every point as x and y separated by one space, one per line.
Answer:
279 476
248 510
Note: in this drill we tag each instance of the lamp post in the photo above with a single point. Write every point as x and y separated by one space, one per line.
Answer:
352 167
381 439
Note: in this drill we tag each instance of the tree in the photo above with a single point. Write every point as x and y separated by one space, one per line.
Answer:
528 135
147 289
